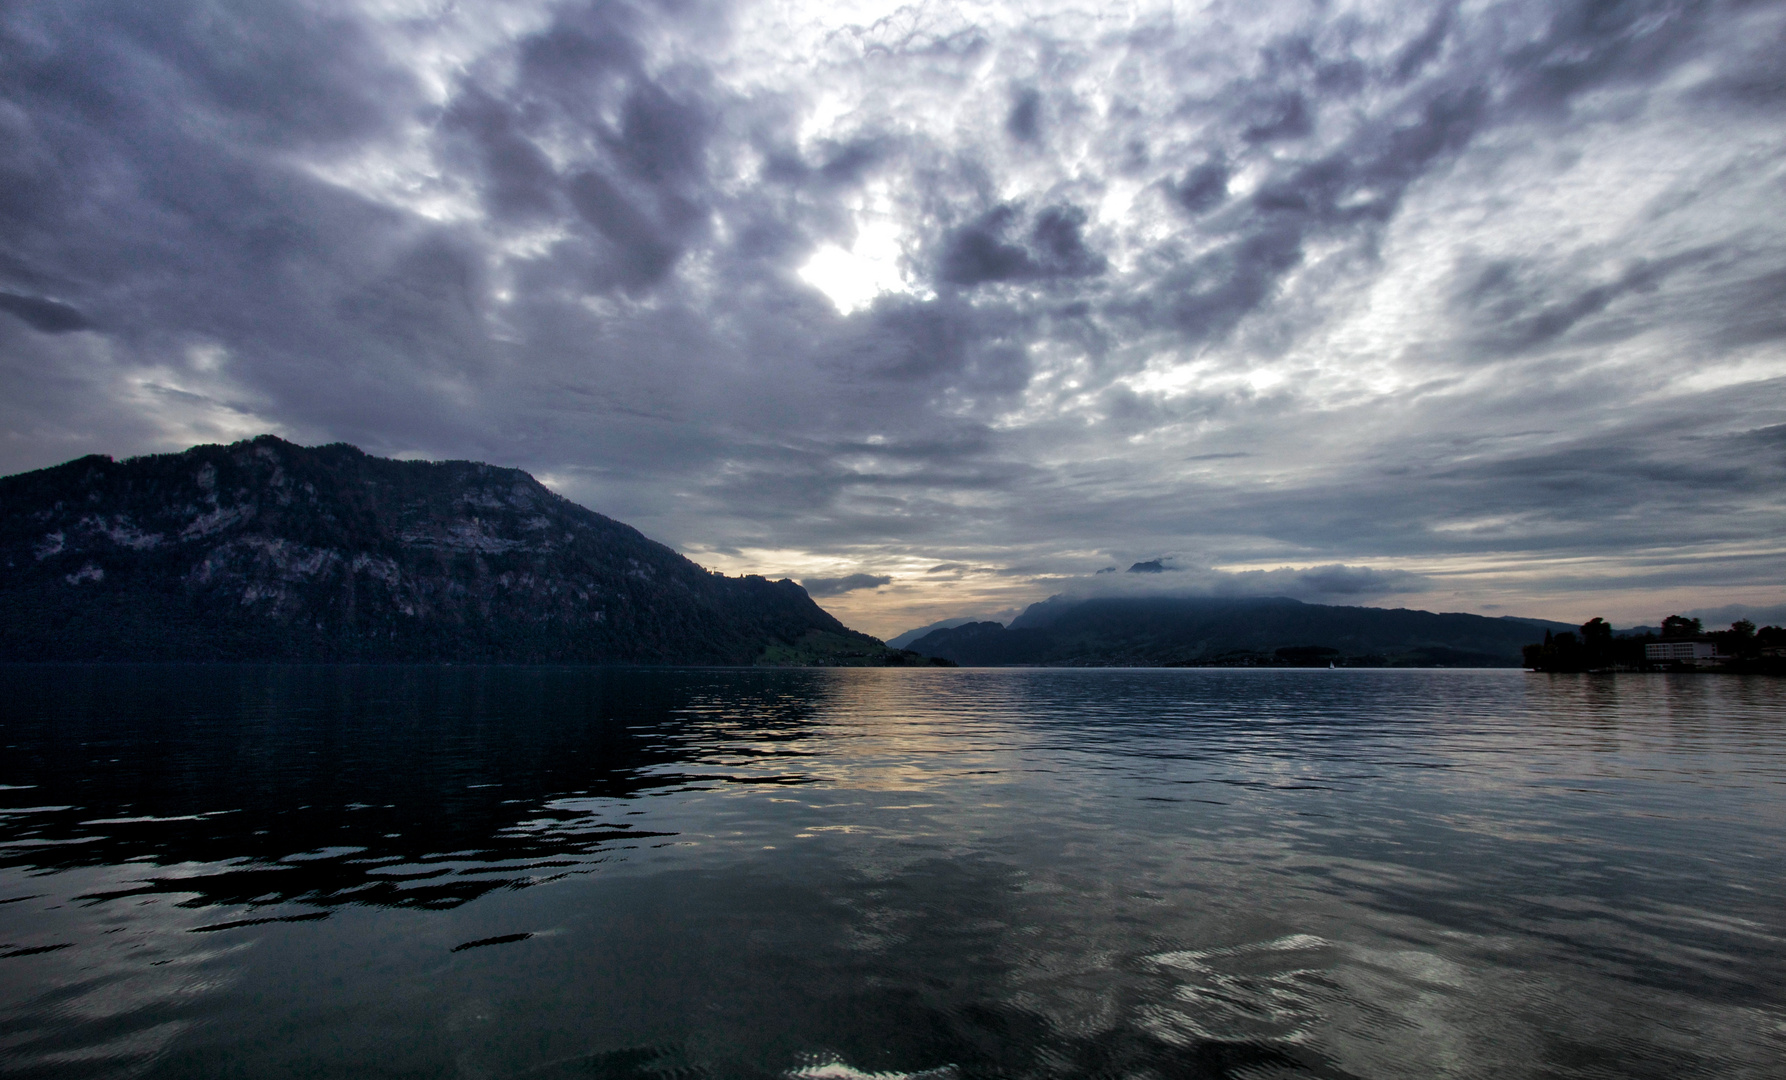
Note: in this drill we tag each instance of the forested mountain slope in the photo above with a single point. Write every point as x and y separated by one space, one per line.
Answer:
1159 631
266 550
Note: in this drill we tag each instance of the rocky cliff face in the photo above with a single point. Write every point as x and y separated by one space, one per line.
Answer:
267 550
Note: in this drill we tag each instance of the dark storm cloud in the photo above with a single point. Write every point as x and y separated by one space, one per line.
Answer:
1414 56
577 237
39 313
1645 479
1357 188
1756 310
1281 116
661 139
1515 314
159 199
842 165
1719 617
979 252
839 586
1337 579
1330 583
518 179
1588 44
1203 188
643 192
1024 121
644 248
941 343
1054 247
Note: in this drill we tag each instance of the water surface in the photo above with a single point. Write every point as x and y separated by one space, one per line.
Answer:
820 874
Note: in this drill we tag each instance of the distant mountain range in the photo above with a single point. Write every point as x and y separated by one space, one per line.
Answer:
904 640
265 550
1178 631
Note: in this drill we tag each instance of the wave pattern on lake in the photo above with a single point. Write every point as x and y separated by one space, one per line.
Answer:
889 874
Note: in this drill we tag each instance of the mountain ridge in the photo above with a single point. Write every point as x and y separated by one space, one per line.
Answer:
266 550
1231 631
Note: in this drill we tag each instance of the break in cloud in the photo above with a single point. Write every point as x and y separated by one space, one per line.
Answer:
1475 305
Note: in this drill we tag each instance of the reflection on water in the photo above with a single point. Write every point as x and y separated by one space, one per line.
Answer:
392 786
349 871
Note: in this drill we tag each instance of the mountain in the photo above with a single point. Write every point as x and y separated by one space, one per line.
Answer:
1543 624
265 550
1178 631
903 640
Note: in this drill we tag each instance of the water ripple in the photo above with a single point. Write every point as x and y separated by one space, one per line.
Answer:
889 875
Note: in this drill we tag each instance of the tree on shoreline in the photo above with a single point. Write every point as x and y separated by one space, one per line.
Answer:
1676 627
1593 649
1745 648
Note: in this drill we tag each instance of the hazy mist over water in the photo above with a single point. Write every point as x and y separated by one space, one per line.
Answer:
396 871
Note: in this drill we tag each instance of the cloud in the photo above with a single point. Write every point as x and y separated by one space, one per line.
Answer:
644 250
1055 247
1717 618
1329 583
1024 120
1336 579
516 178
1281 116
1516 315
47 316
1488 287
839 586
1203 188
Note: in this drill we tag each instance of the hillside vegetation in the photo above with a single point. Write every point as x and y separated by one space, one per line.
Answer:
264 550
1231 632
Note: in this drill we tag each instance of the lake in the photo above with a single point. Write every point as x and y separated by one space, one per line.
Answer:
310 871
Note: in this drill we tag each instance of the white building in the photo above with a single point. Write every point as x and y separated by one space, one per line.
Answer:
1690 652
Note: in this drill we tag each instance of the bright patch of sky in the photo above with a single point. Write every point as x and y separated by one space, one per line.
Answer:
853 277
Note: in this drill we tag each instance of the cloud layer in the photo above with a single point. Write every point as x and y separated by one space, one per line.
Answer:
1474 305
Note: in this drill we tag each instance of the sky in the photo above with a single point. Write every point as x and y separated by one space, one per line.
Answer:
943 309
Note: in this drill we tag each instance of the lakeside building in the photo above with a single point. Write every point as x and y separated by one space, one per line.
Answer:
1683 652
1682 646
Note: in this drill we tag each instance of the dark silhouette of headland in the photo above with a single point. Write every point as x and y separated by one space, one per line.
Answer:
1681 644
264 550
